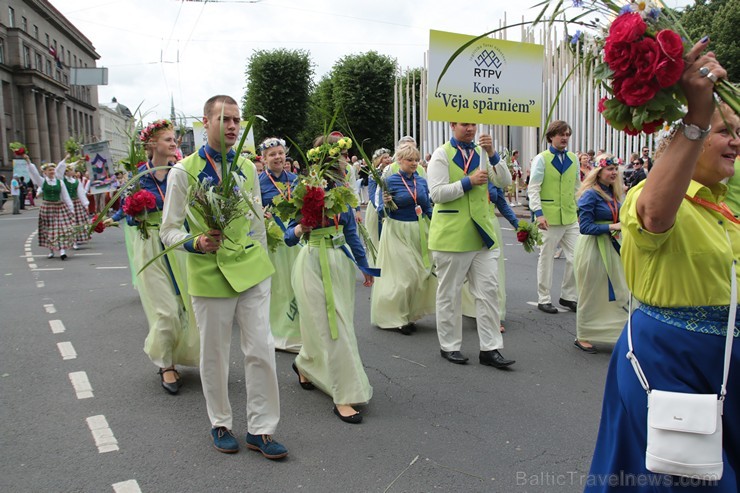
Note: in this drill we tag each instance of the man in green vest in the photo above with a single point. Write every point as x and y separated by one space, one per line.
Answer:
228 279
553 183
463 242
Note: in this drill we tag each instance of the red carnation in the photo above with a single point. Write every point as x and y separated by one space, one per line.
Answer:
627 28
100 227
645 57
669 71
670 44
139 202
87 157
20 151
618 55
602 106
522 236
652 127
634 92
313 207
629 130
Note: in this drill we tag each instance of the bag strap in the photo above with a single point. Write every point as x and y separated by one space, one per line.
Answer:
728 338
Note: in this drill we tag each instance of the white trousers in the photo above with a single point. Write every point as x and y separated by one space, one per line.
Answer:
215 317
481 270
567 236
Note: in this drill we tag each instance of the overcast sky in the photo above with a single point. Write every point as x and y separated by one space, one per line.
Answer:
191 50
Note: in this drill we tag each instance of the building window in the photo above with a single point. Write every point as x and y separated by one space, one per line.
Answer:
65 79
48 68
61 53
39 62
36 31
2 51
11 17
24 23
48 43
69 58
75 60
26 56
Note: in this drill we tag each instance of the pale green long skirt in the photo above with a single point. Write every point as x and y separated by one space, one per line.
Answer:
284 323
468 302
406 290
371 224
598 319
173 337
128 234
332 365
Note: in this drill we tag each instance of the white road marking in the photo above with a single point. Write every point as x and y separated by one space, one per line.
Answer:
130 486
57 327
81 384
49 268
102 434
29 259
109 268
50 308
67 350
509 244
508 229
87 254
40 284
33 266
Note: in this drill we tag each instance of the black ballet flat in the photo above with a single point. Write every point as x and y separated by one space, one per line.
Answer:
354 419
304 385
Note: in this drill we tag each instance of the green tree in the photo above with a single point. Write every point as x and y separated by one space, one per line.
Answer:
362 91
320 111
278 88
717 19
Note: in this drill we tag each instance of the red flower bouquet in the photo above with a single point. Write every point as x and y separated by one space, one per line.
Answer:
137 206
17 148
312 210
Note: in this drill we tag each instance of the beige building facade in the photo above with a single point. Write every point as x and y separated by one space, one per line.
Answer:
39 107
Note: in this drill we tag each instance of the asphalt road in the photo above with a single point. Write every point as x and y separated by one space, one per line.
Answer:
71 360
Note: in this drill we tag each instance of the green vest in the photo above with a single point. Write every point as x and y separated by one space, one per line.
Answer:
52 193
240 263
732 199
395 168
459 226
557 194
71 188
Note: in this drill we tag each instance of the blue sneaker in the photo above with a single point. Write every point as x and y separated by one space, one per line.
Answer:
224 440
265 444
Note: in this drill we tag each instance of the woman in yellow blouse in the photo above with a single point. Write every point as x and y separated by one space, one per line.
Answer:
679 243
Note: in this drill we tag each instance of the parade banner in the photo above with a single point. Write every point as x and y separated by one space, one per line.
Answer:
492 81
99 166
20 169
200 138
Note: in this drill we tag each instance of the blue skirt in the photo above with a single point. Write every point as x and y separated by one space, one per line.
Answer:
673 359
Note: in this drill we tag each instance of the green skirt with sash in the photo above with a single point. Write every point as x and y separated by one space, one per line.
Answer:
173 337
284 322
324 286
371 224
407 289
602 290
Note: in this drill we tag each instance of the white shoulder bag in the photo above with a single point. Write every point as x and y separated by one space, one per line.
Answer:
684 431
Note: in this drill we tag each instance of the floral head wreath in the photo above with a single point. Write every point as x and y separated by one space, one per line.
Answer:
380 152
612 161
271 142
146 134
326 149
46 166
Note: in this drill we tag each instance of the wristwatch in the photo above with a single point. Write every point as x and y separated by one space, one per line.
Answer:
692 132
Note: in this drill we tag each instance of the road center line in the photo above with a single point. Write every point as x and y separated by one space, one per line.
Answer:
67 350
57 327
102 434
110 268
81 384
49 268
87 254
130 486
50 308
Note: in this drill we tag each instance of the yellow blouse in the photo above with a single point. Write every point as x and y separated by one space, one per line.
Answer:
688 265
